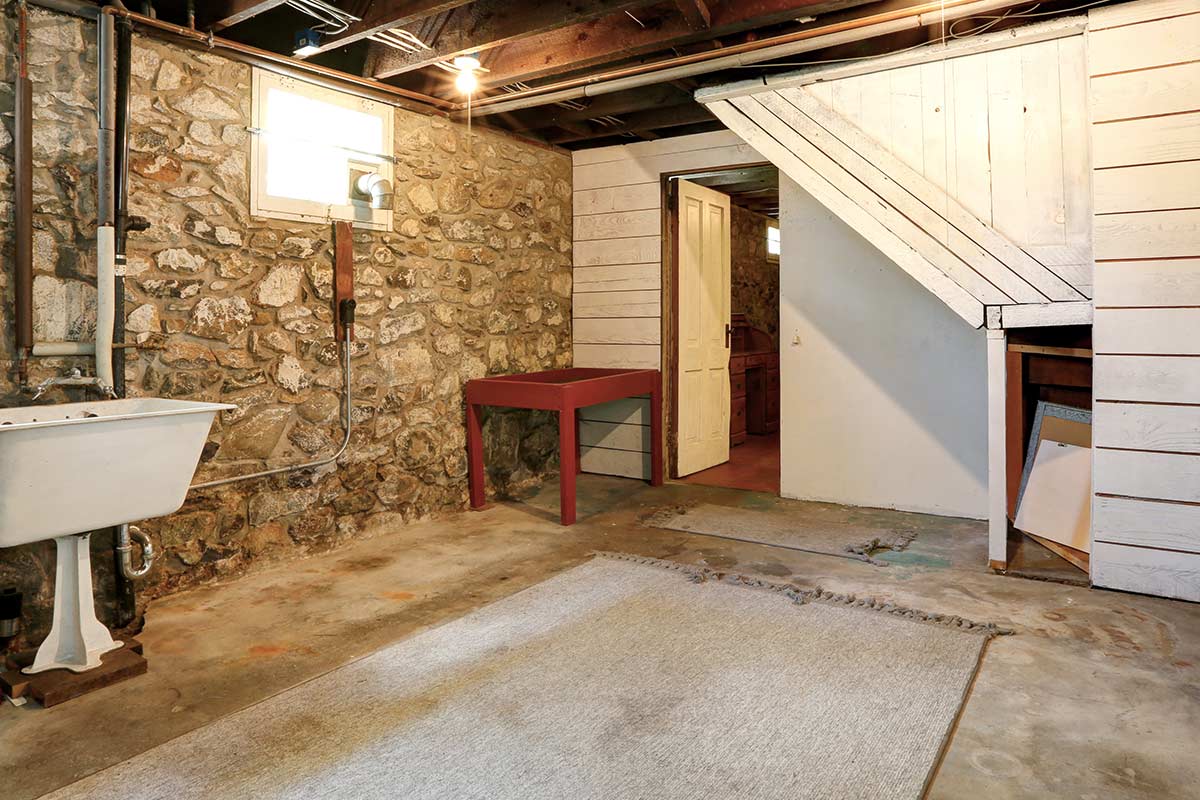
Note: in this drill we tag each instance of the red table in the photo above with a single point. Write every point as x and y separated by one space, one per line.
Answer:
564 391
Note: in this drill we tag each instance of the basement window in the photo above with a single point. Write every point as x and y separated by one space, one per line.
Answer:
773 241
310 145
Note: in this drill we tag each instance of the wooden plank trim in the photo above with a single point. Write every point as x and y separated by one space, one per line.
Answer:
1035 315
1146 570
1120 15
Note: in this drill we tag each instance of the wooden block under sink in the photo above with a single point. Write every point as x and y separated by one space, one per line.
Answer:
59 685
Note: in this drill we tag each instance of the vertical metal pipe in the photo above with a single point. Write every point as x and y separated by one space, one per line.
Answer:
23 189
106 44
124 574
106 250
121 181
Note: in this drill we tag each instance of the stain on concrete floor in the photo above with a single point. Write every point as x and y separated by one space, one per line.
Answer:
1097 696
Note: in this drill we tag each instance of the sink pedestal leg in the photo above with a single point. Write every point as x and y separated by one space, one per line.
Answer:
77 639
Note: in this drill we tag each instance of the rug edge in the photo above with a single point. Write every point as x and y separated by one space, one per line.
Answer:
800 595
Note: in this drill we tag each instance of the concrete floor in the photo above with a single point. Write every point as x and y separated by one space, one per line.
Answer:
1096 696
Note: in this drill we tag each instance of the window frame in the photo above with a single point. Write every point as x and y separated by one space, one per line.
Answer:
263 205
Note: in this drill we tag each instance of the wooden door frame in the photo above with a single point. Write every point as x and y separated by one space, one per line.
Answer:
670 310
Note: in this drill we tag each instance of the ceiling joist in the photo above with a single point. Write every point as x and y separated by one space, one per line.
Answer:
640 123
696 13
221 14
487 24
618 36
384 14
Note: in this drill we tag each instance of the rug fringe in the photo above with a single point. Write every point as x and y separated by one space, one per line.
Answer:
801 596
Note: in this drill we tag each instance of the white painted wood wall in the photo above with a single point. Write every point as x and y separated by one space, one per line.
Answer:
618 302
1144 66
968 164
1003 132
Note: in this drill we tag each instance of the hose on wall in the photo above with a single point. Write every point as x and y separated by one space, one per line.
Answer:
346 317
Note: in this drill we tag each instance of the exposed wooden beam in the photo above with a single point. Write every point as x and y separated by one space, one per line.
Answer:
617 104
384 14
616 37
220 14
643 122
695 13
486 24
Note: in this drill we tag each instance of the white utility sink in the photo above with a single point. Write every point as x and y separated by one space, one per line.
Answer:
66 470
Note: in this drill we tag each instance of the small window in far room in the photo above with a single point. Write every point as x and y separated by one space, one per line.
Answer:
310 146
773 241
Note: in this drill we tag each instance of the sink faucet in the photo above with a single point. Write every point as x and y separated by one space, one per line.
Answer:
73 378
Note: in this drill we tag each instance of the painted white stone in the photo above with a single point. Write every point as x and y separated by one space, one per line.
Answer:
143 319
280 287
170 77
204 103
179 259
291 376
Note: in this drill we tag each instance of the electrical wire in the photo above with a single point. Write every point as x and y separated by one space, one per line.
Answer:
331 19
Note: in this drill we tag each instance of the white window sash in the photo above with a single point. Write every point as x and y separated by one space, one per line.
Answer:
262 204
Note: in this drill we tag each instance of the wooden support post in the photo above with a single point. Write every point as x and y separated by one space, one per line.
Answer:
1015 435
343 274
997 461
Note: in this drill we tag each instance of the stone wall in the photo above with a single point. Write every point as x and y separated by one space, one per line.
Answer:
475 280
755 278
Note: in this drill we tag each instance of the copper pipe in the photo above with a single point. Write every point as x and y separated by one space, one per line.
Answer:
561 88
371 89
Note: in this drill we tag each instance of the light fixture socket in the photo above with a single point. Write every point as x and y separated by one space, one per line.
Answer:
467 62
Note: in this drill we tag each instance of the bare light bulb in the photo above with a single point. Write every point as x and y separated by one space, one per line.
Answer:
466 81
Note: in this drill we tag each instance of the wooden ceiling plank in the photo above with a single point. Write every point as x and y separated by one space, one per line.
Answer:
486 24
220 15
616 37
642 123
617 104
696 13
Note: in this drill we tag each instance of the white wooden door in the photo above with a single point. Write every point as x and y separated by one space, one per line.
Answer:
702 362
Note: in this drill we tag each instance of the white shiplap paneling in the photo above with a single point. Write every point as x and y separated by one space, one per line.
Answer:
1145 103
618 299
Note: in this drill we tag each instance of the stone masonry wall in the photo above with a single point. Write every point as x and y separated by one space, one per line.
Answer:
475 280
755 279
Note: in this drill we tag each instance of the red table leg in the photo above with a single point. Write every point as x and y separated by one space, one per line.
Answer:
578 447
475 456
656 445
567 465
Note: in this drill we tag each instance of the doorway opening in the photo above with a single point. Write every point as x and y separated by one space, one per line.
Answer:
723 328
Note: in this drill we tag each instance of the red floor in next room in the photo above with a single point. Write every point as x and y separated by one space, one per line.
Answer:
752 465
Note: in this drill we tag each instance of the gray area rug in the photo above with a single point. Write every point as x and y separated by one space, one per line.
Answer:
763 527
621 678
